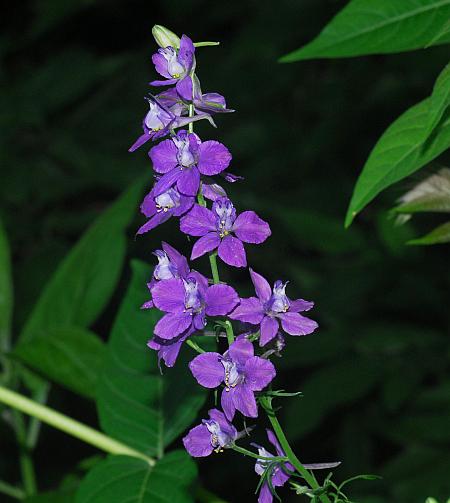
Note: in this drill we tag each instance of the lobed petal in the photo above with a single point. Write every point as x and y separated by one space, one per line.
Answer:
259 372
168 295
296 324
249 310
244 400
171 325
241 350
207 369
220 300
231 251
198 442
198 222
300 305
164 156
189 181
214 157
249 228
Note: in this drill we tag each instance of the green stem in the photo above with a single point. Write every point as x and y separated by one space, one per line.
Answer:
69 425
195 346
309 477
214 269
230 333
205 44
26 462
251 454
12 491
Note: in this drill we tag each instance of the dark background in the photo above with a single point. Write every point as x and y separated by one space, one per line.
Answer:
376 375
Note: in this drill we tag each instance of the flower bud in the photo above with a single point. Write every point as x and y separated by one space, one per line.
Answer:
164 37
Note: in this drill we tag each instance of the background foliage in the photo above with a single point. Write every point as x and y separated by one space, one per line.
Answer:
375 378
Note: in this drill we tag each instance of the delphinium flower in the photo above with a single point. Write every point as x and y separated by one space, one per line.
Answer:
216 228
272 307
186 302
183 158
214 434
241 372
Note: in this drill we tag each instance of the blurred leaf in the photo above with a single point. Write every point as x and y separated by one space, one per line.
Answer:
85 280
58 496
439 235
137 404
393 235
6 290
400 384
440 99
70 356
122 479
378 27
320 232
431 194
399 152
331 386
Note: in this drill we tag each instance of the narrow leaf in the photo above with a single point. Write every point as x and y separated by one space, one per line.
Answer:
137 404
439 235
83 283
399 152
379 27
440 99
70 356
121 478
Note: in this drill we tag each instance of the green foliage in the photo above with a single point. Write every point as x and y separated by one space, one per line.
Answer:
137 404
121 478
377 27
85 280
70 356
439 235
6 290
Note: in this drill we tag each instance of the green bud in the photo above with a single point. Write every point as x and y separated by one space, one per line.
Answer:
431 500
164 37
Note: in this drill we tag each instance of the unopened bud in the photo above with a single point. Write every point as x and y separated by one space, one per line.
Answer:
164 37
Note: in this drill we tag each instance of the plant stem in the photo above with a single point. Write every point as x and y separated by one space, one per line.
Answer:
251 454
26 462
12 491
309 477
214 269
69 425
191 114
195 346
230 333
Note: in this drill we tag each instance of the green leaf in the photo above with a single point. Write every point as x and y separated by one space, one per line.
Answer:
59 496
126 479
6 290
401 150
70 356
378 27
440 99
85 280
137 404
439 235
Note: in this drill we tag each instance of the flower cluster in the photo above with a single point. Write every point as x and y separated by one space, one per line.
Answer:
185 167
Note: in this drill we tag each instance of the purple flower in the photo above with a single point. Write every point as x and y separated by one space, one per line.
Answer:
271 307
240 370
278 474
168 350
216 227
183 158
214 434
159 208
186 301
171 264
208 102
176 66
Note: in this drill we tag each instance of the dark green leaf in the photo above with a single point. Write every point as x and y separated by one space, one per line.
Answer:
401 150
70 356
124 479
378 27
82 285
440 99
137 404
6 290
439 235
59 496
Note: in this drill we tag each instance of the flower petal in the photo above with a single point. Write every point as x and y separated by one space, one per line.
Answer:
228 404
176 258
219 417
148 206
168 295
241 350
244 400
198 442
249 228
274 441
153 222
214 157
184 88
198 222
166 181
207 369
189 181
262 287
220 300
265 494
186 203
300 305
205 244
160 63
186 52
231 251
249 310
164 156
144 138
269 329
258 373
171 325
296 324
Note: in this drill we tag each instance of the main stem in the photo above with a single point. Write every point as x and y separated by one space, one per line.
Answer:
309 478
69 425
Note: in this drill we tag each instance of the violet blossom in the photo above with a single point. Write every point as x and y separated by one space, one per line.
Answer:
158 208
183 158
176 65
168 350
216 228
187 301
214 434
272 307
242 373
